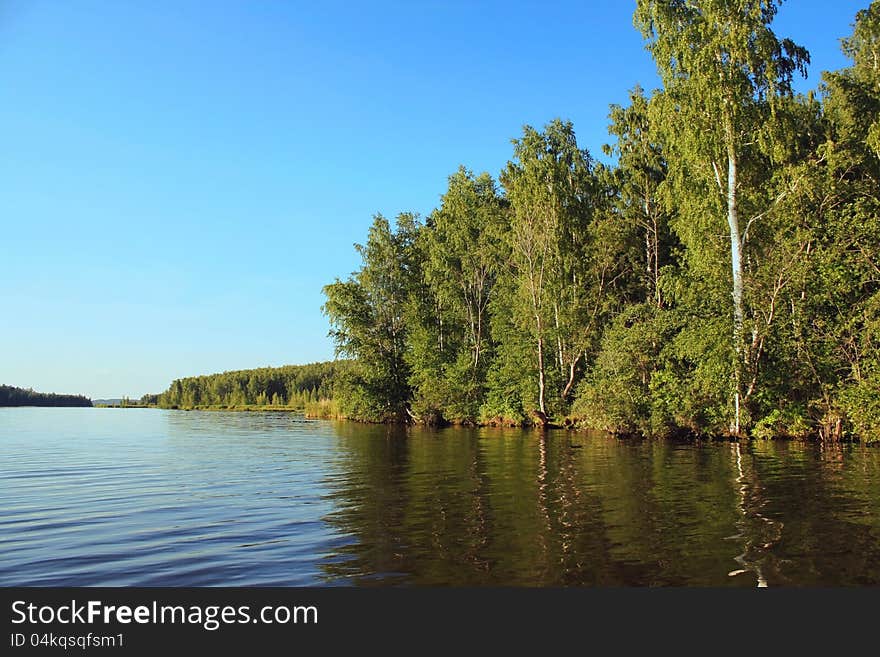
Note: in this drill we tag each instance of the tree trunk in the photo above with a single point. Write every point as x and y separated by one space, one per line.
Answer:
736 264
649 263
570 384
440 325
478 338
560 353
541 405
656 229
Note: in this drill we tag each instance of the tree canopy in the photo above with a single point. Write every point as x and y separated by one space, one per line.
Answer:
720 276
12 396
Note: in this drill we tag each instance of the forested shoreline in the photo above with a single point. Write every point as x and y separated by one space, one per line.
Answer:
307 388
722 277
12 396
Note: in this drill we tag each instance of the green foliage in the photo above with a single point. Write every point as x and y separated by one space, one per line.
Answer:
723 275
616 395
727 79
323 408
566 264
12 396
861 402
450 344
368 313
636 189
789 422
290 386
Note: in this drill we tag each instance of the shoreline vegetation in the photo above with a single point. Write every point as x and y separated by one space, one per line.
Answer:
720 279
12 396
288 388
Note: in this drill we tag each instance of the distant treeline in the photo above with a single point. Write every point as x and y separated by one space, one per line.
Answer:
12 396
721 276
292 386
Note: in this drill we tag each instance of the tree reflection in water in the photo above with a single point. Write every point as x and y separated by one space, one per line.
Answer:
475 507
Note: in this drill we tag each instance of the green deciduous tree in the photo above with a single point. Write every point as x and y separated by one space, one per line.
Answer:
368 315
450 343
565 260
724 71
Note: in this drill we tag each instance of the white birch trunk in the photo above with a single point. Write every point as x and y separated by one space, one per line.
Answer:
736 264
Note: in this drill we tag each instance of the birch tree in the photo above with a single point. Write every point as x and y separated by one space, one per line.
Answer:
565 256
548 185
641 169
722 66
367 313
450 345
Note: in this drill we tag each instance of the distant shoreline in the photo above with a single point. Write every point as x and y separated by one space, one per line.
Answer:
11 396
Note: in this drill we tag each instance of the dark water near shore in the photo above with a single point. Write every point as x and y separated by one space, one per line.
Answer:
168 498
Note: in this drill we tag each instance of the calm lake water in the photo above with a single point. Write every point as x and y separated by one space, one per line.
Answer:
109 497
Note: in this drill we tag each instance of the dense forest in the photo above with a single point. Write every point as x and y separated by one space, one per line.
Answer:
301 387
722 276
11 396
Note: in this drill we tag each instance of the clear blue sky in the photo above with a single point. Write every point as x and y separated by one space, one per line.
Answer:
178 179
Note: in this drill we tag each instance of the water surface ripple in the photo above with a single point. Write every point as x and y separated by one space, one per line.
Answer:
131 497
